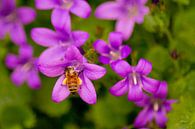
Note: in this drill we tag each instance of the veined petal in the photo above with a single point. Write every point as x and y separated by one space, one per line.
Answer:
87 91
150 85
101 47
7 6
125 50
120 88
33 79
125 26
104 59
60 92
93 71
135 93
60 19
73 54
45 37
162 90
11 61
121 67
52 62
81 8
143 67
80 37
161 118
18 34
26 14
145 116
115 39
45 4
108 10
18 76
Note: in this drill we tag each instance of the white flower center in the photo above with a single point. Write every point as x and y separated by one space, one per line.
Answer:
115 55
27 67
67 4
155 106
132 11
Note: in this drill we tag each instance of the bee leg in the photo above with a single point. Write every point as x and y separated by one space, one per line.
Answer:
79 81
64 82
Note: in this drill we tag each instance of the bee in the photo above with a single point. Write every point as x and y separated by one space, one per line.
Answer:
72 80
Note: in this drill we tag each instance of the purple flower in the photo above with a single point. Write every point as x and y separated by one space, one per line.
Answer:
62 8
25 68
135 81
57 41
84 73
155 108
12 20
112 51
126 12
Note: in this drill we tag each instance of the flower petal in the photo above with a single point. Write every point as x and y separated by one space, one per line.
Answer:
143 67
120 88
45 37
60 92
104 59
80 37
87 91
161 118
60 19
18 34
4 29
108 10
125 26
73 54
135 93
11 61
101 47
26 52
81 8
121 67
168 103
115 39
145 116
18 76
7 6
162 90
45 4
33 79
26 14
125 50
150 85
51 61
93 71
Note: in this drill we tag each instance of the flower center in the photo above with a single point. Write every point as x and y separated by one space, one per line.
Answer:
114 55
10 17
134 78
155 106
67 4
132 11
27 66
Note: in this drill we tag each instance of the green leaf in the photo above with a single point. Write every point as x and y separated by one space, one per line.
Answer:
184 31
160 59
111 112
43 101
182 2
183 114
184 85
17 116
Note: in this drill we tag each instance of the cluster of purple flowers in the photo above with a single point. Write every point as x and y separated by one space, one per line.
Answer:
12 21
63 52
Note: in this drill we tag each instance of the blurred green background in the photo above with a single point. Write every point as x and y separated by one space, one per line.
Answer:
166 38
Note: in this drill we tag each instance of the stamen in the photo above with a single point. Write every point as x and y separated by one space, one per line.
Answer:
156 106
135 81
